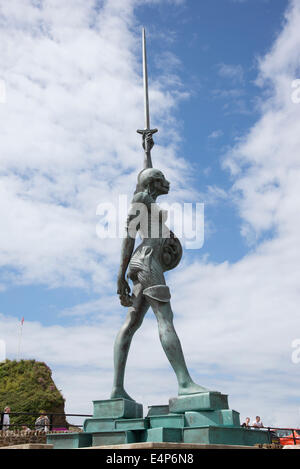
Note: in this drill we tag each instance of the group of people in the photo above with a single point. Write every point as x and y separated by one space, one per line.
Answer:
42 423
256 424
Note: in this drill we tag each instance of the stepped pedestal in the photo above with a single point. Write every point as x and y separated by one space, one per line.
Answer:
202 418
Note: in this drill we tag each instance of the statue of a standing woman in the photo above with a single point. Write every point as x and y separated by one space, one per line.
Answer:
145 267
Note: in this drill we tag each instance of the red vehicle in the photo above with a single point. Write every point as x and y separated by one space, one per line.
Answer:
288 436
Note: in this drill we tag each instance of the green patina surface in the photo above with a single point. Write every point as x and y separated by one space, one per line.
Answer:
117 409
167 421
223 417
231 417
115 438
116 422
157 410
224 435
198 402
99 425
163 435
69 440
132 424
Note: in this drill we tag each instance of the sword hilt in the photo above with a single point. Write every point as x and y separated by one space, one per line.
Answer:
145 133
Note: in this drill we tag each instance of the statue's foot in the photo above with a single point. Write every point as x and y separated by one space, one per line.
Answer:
120 393
190 388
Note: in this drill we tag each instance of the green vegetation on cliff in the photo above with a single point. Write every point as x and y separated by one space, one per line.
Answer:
27 386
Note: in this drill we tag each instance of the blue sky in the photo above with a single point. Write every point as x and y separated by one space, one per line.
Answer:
220 89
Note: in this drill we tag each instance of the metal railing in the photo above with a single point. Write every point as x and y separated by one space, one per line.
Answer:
272 431
50 416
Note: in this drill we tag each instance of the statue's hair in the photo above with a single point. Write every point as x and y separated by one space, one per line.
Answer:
147 175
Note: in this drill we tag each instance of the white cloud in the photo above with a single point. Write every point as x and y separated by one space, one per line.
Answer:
270 187
234 72
216 134
74 100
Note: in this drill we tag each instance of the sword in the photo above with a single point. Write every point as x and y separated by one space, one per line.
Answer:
147 132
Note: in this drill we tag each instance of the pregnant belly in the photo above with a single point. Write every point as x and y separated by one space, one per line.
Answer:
167 252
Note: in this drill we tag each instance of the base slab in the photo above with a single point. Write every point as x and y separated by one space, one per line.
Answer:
225 436
69 440
169 446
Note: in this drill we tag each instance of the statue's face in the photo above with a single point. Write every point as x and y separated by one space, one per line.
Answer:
155 178
160 184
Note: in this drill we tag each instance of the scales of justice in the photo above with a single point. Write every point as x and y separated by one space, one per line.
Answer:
196 415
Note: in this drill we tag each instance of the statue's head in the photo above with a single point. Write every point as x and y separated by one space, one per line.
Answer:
153 180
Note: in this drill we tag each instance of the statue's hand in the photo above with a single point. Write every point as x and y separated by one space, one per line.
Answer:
148 142
124 292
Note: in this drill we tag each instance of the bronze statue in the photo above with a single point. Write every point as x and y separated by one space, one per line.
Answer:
145 267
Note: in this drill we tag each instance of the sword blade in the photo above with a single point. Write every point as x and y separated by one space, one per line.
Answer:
145 79
147 132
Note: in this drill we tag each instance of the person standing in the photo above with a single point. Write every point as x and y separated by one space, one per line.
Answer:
246 423
42 422
257 423
6 419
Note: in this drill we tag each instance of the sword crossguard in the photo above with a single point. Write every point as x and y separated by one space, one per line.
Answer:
147 131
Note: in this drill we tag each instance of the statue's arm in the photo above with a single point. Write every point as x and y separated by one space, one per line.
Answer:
127 250
148 144
126 253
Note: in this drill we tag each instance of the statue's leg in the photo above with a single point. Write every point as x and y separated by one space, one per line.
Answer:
172 347
133 321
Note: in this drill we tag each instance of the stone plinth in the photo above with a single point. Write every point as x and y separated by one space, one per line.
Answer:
114 438
167 421
202 418
158 410
198 402
169 446
69 440
117 409
96 424
225 435
132 424
224 417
